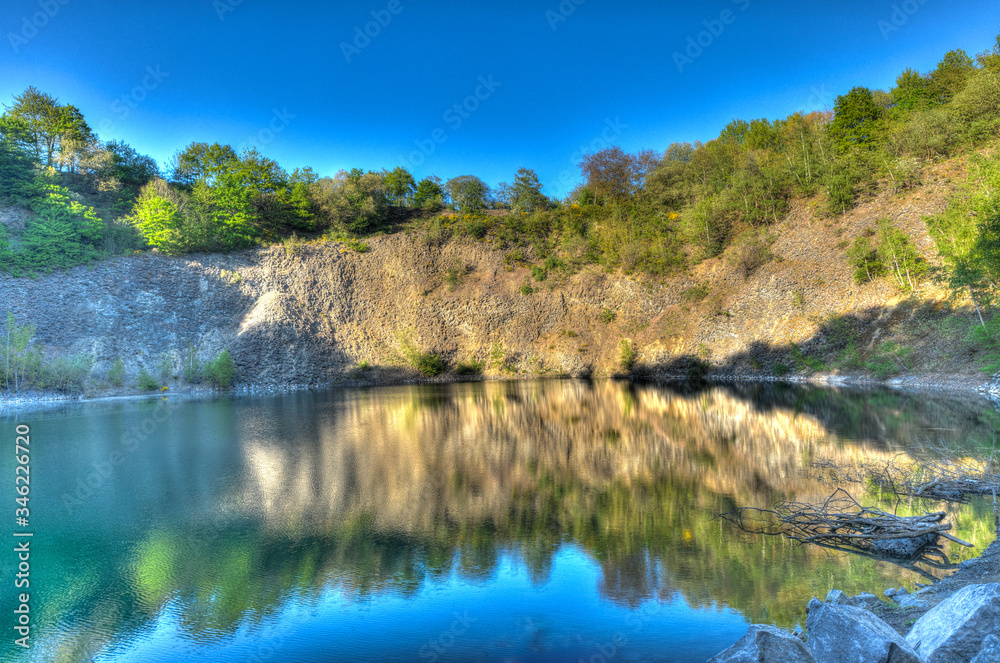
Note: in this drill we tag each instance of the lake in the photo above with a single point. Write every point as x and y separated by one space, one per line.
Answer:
498 521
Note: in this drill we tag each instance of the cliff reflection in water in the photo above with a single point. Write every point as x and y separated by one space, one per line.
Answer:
234 510
634 474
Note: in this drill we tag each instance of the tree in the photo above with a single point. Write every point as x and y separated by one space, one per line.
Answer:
355 204
19 358
126 165
429 191
15 163
525 195
950 76
399 184
467 192
200 161
158 217
610 173
911 91
40 116
856 120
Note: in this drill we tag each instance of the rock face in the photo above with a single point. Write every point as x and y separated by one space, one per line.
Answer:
955 630
846 634
766 644
990 652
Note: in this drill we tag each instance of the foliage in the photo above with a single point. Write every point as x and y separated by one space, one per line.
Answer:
146 382
627 354
468 193
19 359
608 316
526 289
470 367
66 374
116 374
191 366
221 370
750 251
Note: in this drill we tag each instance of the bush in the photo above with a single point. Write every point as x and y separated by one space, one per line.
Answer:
67 374
165 367
627 354
695 293
780 369
429 363
526 289
749 252
192 367
538 273
116 374
608 316
146 381
221 370
471 367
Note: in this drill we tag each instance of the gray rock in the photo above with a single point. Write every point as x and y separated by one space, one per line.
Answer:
955 630
890 592
837 597
846 634
864 597
901 591
911 601
903 548
990 653
766 644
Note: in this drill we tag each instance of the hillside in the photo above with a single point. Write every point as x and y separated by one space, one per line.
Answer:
317 313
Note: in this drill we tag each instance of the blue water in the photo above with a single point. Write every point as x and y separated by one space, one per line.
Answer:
537 521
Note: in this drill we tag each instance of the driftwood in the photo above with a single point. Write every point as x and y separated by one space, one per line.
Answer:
842 523
946 479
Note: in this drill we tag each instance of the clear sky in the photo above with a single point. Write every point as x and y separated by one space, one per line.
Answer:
449 88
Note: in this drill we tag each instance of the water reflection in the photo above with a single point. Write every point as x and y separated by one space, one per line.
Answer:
219 520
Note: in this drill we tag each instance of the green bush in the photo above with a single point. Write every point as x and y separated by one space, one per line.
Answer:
695 293
627 354
116 374
780 369
192 367
221 370
146 381
470 367
66 374
526 289
608 316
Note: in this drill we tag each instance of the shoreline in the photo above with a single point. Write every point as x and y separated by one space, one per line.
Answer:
988 388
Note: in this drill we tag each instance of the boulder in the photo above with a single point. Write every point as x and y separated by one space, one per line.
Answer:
765 644
955 630
846 634
990 653
902 548
837 597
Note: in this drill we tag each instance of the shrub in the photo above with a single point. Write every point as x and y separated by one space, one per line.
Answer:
146 381
526 289
116 374
221 370
695 293
608 316
471 367
165 368
67 374
192 367
538 273
780 369
429 363
627 354
749 252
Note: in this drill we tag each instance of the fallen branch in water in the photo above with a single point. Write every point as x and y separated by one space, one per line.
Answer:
953 480
842 522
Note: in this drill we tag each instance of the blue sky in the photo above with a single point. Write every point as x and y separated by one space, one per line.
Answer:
449 89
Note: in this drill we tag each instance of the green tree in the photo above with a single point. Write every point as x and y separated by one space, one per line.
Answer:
950 76
857 120
126 165
200 162
399 184
20 359
468 193
428 191
526 193
40 116
158 217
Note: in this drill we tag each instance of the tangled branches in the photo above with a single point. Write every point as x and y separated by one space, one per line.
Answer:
841 522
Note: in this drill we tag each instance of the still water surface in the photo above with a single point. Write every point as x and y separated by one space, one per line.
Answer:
529 521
